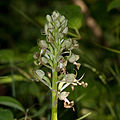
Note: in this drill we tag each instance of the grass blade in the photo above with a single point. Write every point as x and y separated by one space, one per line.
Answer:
84 116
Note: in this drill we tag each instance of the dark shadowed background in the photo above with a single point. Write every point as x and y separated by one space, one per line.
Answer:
96 26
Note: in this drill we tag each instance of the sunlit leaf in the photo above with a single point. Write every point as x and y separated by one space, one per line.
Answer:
8 79
11 102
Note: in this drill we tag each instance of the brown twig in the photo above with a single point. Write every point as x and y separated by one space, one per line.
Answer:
90 21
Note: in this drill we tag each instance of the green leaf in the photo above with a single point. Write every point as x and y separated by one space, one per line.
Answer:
113 4
109 49
8 79
101 76
6 114
74 16
11 102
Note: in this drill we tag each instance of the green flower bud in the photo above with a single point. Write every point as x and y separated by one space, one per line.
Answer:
40 74
72 58
60 29
65 63
50 38
77 57
75 44
69 78
50 25
65 31
64 23
57 24
43 44
63 95
60 35
67 43
49 19
44 60
55 15
62 18
46 29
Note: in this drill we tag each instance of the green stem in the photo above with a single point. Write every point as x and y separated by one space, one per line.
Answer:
54 94
54 80
72 34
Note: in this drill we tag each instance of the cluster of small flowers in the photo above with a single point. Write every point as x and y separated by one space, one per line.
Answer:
58 49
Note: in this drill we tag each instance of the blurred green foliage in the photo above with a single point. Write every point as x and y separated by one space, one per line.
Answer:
22 23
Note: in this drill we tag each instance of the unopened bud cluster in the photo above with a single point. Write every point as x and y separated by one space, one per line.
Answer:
56 26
